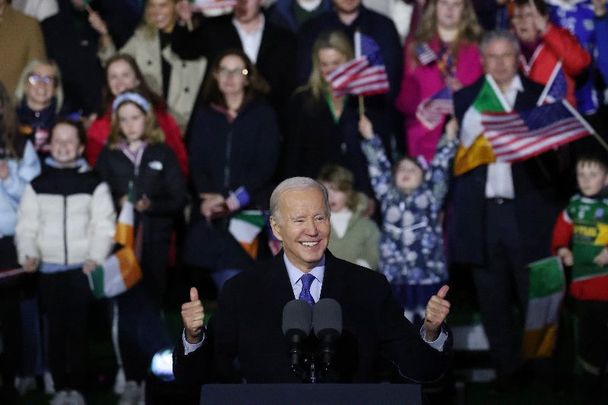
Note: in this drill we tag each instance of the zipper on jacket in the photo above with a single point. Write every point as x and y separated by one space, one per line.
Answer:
227 164
65 229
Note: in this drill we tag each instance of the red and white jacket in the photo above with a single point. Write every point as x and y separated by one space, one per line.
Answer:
558 44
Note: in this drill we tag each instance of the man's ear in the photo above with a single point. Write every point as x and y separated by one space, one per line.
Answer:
276 229
80 150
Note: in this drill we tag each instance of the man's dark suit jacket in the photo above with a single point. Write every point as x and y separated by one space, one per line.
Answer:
536 201
246 330
275 61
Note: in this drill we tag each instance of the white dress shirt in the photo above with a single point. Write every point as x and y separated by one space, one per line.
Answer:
499 180
251 40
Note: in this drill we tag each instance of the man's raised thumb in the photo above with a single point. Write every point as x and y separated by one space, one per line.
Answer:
193 294
443 291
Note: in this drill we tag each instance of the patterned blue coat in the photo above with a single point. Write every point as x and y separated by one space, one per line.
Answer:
411 243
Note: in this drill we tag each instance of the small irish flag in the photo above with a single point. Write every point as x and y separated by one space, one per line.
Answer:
116 275
245 227
120 271
547 287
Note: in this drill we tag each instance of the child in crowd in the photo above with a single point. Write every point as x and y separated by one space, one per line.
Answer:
65 227
580 239
18 166
136 157
411 198
353 237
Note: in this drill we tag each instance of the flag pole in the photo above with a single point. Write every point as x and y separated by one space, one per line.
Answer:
585 124
358 54
547 87
361 106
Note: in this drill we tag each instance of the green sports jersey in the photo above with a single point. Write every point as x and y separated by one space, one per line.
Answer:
589 218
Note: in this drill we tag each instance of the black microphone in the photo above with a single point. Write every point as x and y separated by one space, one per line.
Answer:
327 324
297 321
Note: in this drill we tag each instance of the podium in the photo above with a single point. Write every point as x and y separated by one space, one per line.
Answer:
311 394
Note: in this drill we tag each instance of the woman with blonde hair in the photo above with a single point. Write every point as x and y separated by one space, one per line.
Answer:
442 54
39 96
323 124
176 79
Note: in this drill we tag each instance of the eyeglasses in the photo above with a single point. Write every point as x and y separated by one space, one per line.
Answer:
223 71
35 79
522 16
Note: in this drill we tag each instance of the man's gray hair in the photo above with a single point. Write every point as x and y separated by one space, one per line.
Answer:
295 183
496 35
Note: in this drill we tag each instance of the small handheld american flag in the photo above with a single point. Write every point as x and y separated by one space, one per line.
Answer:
556 88
365 75
432 110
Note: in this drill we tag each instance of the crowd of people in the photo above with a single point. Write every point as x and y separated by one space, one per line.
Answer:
194 118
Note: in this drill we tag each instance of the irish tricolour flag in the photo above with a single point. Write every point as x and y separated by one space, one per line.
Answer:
121 270
547 287
474 149
245 227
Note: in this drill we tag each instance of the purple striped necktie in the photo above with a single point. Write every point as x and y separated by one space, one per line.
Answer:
305 295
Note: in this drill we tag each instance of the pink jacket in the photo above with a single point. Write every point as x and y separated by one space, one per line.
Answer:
422 81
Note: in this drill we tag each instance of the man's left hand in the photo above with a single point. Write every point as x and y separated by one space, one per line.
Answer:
437 310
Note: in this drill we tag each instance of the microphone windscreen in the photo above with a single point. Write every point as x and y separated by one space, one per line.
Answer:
327 316
297 315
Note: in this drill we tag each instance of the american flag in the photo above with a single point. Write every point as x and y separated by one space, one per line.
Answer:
556 88
208 5
431 111
425 54
341 76
238 199
521 135
373 79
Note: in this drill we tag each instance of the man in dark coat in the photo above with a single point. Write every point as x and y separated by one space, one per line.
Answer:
248 29
245 342
503 213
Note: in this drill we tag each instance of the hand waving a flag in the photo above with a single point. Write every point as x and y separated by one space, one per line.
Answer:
121 270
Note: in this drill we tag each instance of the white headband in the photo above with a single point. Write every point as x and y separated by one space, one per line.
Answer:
132 97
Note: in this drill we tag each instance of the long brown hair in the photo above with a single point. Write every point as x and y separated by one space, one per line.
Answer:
469 30
256 85
152 133
143 87
8 123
